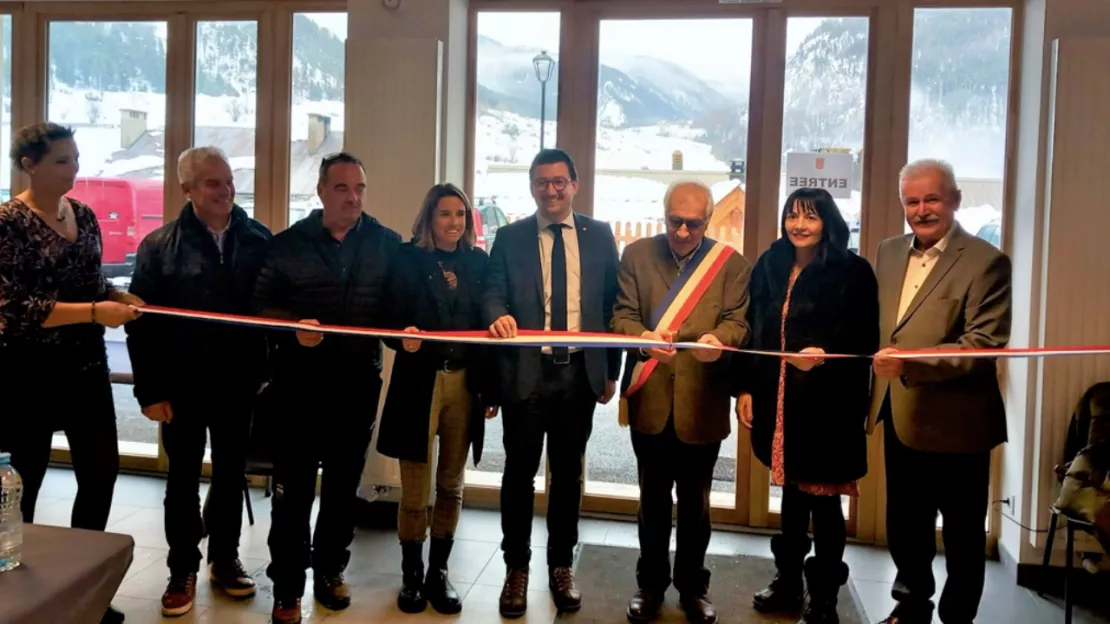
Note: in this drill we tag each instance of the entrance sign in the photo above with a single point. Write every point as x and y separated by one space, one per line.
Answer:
830 171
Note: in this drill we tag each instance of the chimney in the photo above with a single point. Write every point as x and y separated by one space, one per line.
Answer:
132 126
319 127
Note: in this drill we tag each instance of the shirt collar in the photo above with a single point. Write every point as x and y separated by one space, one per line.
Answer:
545 223
941 245
318 221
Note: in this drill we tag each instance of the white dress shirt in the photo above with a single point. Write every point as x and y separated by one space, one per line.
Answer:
919 266
574 273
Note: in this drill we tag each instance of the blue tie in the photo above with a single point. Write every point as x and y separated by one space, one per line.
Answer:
558 287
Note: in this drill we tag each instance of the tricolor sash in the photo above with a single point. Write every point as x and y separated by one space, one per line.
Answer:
676 306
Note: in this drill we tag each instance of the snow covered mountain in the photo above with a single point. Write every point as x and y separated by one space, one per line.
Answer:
632 91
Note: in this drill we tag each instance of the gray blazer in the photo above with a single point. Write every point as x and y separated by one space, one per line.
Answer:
697 393
945 405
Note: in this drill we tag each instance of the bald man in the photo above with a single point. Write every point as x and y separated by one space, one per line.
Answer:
677 401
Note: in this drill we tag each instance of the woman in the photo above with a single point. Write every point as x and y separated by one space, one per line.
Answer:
54 306
809 294
438 388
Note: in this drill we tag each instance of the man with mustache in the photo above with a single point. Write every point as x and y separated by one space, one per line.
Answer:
939 288
196 377
555 270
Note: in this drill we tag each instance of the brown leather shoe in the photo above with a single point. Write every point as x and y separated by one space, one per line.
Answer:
332 592
286 611
698 608
180 594
563 590
231 576
644 606
514 594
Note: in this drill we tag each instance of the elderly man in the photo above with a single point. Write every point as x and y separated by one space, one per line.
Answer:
195 377
939 288
329 268
677 402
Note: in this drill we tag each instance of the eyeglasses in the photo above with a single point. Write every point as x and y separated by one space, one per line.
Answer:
557 183
691 224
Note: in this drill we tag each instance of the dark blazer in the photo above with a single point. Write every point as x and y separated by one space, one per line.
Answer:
419 293
938 405
697 393
835 306
514 285
178 265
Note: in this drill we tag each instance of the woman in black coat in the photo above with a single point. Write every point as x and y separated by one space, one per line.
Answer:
810 294
435 388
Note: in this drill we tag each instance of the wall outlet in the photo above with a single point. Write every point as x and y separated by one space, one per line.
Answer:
1008 502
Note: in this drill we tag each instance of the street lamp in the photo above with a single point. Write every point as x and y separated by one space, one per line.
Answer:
543 64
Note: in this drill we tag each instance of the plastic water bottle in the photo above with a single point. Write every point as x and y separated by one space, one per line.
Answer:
11 518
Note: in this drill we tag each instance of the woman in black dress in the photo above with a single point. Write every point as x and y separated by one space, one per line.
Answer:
435 389
54 306
810 294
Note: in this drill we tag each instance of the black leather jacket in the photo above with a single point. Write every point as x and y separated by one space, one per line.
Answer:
179 265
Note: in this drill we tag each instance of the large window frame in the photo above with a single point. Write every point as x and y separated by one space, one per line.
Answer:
885 144
30 63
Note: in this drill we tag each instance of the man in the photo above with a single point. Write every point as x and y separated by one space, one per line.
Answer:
196 377
938 288
555 270
329 268
678 402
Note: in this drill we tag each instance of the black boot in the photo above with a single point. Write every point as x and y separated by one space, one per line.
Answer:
823 581
437 589
786 591
411 599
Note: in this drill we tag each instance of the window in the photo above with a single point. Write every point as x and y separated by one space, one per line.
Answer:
959 101
824 109
517 97
227 98
108 81
672 104
316 128
6 105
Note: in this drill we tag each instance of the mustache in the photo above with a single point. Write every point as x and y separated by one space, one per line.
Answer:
925 219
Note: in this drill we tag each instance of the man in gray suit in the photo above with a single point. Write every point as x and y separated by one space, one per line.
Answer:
939 288
680 412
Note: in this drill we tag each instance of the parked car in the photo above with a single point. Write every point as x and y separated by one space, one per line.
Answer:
127 210
992 233
492 218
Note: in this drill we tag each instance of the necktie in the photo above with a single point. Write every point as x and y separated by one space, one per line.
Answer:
558 286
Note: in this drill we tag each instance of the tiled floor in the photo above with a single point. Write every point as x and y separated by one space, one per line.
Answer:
476 568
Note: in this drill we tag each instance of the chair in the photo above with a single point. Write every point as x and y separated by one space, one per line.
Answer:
1069 556
260 461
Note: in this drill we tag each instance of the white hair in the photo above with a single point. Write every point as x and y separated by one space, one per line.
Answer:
188 161
709 203
920 167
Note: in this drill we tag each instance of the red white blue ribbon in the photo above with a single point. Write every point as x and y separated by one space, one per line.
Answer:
537 338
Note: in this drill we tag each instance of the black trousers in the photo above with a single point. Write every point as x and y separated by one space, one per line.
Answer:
918 485
227 416
830 532
665 462
324 429
562 408
80 405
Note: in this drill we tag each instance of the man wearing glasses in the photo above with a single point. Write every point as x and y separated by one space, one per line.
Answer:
329 268
557 271
678 402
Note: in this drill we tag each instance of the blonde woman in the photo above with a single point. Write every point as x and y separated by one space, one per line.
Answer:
435 286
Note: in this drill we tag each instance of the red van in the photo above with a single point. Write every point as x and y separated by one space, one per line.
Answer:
127 210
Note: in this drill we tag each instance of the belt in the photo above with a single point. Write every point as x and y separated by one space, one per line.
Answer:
451 366
562 360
